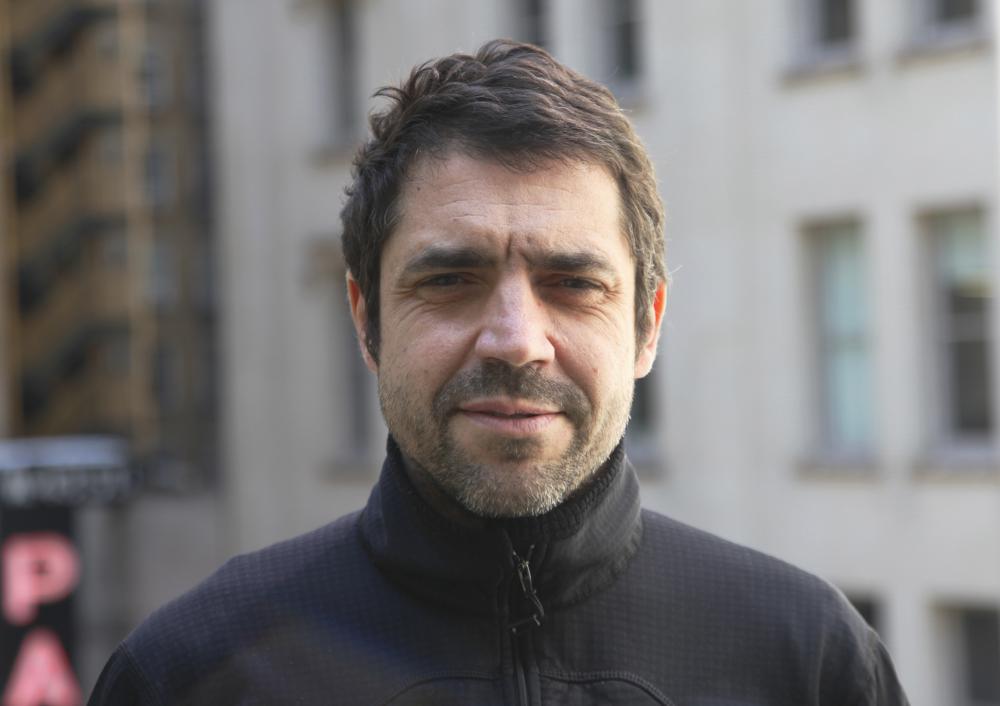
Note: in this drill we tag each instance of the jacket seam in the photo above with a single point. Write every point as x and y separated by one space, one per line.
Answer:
441 676
611 675
145 685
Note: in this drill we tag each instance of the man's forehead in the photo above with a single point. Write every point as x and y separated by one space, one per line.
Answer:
562 206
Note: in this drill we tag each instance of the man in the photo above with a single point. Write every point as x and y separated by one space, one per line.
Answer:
504 238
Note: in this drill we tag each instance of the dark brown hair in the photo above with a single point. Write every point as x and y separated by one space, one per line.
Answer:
515 104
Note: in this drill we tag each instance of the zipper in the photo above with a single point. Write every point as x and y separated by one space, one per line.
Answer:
519 670
519 627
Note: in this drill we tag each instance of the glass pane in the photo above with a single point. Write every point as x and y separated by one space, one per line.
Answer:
868 607
969 303
641 416
981 631
848 399
843 330
963 256
956 10
534 22
843 338
625 25
964 287
842 279
835 21
970 398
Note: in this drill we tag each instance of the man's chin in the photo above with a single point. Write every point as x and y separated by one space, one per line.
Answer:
510 486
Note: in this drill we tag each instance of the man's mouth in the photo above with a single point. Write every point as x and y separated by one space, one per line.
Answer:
509 416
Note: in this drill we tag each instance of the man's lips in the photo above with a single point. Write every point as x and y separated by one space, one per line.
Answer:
509 416
506 408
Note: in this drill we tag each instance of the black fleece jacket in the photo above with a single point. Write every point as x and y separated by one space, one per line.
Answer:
596 602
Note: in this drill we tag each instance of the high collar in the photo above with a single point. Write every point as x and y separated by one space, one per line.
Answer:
575 549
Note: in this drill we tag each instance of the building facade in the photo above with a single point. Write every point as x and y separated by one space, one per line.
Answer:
106 222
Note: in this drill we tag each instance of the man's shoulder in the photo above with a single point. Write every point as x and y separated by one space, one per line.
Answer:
771 619
703 568
248 601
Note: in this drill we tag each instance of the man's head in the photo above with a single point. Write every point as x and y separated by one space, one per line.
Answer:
504 239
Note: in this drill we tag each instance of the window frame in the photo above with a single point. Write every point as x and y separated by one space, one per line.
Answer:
823 446
945 442
927 33
809 53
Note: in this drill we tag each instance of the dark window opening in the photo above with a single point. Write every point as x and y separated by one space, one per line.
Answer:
344 60
534 22
948 11
981 644
869 609
835 21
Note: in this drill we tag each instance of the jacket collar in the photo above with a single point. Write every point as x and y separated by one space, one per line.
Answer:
577 548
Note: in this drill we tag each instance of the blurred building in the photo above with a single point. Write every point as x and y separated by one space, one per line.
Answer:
106 254
105 224
826 388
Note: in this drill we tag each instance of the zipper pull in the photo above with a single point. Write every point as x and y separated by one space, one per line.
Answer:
523 568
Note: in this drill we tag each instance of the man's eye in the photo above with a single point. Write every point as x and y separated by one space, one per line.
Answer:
448 280
577 283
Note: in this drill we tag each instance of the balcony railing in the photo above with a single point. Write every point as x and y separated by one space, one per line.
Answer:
53 39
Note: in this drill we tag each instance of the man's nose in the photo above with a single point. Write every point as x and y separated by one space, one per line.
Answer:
514 327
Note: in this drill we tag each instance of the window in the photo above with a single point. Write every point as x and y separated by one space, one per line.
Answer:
961 306
163 285
154 78
534 22
946 11
641 435
827 32
969 640
355 392
167 378
843 356
980 629
834 22
158 175
624 34
948 21
343 62
868 607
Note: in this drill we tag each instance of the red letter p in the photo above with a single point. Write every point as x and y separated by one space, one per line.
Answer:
41 567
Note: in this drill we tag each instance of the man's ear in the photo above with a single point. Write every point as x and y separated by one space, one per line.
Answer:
647 352
359 314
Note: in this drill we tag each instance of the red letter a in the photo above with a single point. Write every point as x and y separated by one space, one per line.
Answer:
41 674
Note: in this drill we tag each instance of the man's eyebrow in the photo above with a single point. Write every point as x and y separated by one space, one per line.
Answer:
443 257
579 261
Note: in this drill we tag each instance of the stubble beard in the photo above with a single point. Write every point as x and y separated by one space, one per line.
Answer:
491 489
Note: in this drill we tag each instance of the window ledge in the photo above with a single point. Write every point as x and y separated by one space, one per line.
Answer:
822 65
958 466
930 45
838 466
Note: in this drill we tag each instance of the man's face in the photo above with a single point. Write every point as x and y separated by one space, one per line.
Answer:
508 350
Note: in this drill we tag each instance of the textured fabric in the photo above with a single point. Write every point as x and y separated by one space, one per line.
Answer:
397 605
